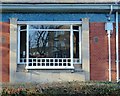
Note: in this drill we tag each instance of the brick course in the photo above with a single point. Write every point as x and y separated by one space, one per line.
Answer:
99 52
119 49
4 46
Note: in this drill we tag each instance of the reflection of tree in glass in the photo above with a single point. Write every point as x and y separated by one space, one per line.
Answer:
43 43
38 40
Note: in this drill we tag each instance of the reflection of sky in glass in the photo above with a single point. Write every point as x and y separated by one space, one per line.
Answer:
49 27
33 37
41 26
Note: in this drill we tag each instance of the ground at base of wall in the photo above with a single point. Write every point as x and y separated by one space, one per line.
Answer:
44 76
70 88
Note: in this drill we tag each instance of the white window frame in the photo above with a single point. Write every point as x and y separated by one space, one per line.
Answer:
71 23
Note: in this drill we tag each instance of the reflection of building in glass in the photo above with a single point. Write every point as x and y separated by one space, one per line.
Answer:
59 44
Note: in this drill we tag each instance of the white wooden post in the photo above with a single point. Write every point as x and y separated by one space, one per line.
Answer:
27 47
80 45
71 44
18 48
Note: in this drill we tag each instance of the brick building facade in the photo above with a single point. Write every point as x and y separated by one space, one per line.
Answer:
95 61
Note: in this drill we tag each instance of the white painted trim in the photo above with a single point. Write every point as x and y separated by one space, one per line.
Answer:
75 30
49 29
80 44
23 30
49 67
39 61
50 22
71 44
27 47
18 47
74 60
69 23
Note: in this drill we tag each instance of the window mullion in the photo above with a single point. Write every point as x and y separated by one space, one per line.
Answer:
18 55
80 45
49 30
71 44
27 47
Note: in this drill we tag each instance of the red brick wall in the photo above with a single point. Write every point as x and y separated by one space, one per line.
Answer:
119 49
4 46
99 52
113 54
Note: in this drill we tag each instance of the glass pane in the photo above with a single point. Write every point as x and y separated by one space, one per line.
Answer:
49 27
23 27
49 44
76 44
23 42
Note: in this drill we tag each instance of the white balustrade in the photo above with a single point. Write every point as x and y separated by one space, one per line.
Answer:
46 63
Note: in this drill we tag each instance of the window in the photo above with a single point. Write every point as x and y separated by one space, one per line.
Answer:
49 45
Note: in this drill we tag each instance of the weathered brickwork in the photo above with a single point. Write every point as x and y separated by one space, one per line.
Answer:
119 49
5 51
113 54
99 52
